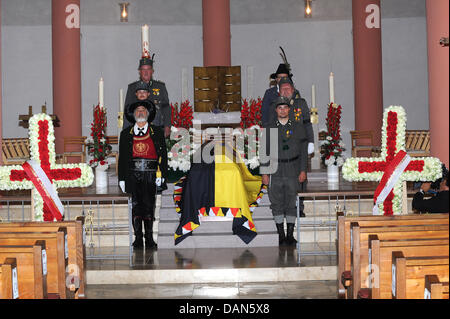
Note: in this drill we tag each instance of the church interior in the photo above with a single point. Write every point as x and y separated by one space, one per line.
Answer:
367 83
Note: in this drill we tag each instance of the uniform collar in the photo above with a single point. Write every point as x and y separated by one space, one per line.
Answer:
136 129
288 123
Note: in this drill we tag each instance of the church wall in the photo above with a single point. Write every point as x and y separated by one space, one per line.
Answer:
314 48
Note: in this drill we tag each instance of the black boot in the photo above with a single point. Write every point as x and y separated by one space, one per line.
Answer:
281 235
290 235
148 227
137 226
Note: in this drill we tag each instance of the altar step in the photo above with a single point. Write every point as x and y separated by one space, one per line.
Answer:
215 266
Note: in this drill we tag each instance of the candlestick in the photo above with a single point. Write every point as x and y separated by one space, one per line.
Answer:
145 41
100 93
331 87
121 100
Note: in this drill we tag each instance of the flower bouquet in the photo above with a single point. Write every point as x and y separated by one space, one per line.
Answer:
332 148
97 145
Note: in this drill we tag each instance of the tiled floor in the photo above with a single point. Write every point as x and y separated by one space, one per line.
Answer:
261 290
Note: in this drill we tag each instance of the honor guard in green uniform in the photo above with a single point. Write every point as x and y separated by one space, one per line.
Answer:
157 95
292 156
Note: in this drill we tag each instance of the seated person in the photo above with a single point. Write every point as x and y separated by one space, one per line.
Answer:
439 203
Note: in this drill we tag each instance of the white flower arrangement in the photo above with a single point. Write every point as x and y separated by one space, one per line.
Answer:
431 170
85 180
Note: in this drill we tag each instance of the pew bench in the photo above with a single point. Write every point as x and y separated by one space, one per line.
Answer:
345 235
57 257
435 289
15 151
75 246
31 269
362 253
408 274
8 279
382 260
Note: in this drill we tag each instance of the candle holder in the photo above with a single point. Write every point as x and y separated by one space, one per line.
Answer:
120 121
314 115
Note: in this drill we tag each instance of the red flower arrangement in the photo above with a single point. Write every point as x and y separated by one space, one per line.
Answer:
333 144
251 113
182 118
98 148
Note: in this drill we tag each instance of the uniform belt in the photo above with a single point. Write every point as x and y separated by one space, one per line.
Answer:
143 165
288 160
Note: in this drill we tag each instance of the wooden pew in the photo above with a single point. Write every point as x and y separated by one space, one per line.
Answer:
435 289
345 236
408 274
75 245
31 264
8 279
57 256
382 260
361 257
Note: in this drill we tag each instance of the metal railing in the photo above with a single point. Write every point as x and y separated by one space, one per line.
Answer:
100 222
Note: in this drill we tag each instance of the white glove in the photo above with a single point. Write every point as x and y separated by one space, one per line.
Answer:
122 185
310 148
159 181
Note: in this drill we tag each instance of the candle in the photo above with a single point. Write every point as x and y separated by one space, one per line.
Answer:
313 96
145 41
331 87
121 100
100 93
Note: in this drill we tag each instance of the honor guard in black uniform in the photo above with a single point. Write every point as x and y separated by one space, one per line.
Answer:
157 95
142 150
284 183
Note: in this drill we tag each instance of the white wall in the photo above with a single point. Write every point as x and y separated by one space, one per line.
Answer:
314 48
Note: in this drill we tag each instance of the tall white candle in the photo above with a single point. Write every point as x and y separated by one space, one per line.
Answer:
145 41
332 87
121 100
100 93
313 96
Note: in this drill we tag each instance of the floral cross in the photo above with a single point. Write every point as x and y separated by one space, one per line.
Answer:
393 141
42 151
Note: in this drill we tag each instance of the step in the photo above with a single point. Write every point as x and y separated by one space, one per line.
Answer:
200 276
217 240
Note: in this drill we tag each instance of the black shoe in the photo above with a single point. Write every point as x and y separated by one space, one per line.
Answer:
281 235
149 242
302 214
290 240
137 226
138 242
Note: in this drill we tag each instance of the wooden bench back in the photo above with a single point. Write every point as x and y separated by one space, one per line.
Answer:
57 256
15 150
8 282
74 242
410 272
435 289
361 258
344 232
31 279
417 141
382 259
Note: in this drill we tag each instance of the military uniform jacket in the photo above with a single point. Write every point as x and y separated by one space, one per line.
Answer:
299 112
159 96
126 152
292 145
269 96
